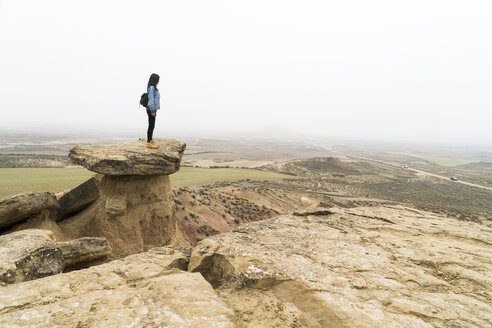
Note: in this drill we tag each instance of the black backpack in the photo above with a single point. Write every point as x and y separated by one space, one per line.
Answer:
144 99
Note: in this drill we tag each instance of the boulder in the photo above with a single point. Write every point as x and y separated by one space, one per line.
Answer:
85 249
360 267
17 208
29 254
130 159
79 198
313 211
141 290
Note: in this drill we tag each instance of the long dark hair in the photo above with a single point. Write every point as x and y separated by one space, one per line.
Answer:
153 80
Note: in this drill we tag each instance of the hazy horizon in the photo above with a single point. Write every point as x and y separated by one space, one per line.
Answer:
261 135
381 70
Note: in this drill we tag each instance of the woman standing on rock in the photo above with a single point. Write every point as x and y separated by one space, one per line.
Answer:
152 107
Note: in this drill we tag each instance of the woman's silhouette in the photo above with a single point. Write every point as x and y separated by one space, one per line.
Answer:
152 107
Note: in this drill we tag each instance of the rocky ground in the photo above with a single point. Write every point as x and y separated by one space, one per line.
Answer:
149 289
387 266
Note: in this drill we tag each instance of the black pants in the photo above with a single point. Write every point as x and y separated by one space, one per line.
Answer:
150 130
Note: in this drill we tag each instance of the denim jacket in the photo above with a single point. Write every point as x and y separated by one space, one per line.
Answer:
154 99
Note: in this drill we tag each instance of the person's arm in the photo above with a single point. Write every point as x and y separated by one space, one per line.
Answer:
150 94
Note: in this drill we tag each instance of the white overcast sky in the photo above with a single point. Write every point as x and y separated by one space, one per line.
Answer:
400 70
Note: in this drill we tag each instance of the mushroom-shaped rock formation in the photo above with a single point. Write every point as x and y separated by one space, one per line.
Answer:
135 210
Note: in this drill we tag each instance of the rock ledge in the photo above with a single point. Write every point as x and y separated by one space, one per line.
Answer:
130 159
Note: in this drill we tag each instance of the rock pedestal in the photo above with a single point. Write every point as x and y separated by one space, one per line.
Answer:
135 209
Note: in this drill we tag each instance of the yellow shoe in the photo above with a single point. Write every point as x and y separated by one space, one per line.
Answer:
151 145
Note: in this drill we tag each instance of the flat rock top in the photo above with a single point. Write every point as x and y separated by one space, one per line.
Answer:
361 267
130 159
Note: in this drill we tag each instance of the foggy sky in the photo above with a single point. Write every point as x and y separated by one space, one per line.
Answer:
397 70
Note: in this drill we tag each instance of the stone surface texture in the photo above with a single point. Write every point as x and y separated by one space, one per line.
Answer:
18 208
141 290
29 254
84 249
386 266
130 159
79 198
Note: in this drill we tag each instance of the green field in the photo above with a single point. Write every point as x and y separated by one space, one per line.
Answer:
19 180
443 161
188 176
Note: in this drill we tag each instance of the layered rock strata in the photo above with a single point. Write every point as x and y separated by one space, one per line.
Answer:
85 249
141 290
359 267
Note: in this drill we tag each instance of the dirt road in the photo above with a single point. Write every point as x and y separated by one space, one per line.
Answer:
420 172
